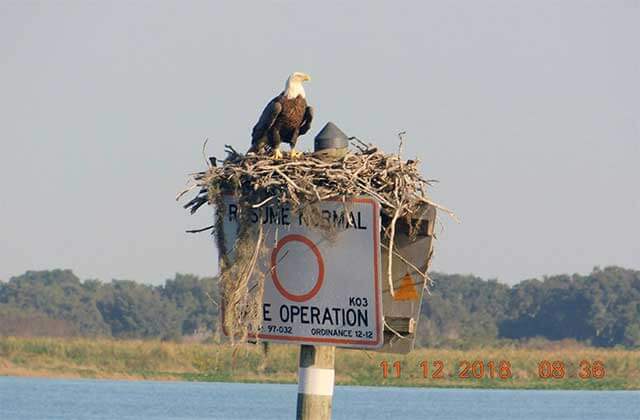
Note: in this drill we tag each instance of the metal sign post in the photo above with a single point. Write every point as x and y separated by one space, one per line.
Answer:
318 293
315 382
316 367
322 293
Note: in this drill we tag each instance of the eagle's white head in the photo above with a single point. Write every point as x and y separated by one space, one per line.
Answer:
293 87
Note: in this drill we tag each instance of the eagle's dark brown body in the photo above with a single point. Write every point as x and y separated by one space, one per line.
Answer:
291 116
283 120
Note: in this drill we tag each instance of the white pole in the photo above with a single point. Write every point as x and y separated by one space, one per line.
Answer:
316 376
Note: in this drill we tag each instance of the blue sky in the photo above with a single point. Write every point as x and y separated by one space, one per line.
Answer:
527 113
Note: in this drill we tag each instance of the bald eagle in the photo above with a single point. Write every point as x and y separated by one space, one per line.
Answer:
285 117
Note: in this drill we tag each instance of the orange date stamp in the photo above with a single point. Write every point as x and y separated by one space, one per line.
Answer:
497 369
557 369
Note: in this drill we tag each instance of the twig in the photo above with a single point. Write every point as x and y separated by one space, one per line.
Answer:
204 154
401 137
392 234
394 331
262 203
200 230
212 300
409 263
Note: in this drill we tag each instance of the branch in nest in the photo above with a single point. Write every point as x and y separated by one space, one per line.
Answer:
200 230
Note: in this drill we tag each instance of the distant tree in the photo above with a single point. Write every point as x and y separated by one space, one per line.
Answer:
615 296
196 299
562 314
135 310
600 308
58 294
632 335
462 309
28 323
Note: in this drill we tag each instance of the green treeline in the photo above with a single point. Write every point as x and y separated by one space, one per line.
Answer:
57 303
601 308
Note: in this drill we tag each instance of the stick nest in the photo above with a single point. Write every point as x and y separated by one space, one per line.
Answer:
260 180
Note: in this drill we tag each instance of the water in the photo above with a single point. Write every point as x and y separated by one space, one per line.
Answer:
34 398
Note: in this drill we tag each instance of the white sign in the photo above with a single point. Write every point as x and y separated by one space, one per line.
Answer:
319 290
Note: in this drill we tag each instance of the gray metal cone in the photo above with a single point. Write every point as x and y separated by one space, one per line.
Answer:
330 137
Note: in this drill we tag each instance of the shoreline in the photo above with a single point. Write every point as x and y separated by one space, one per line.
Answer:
478 368
134 378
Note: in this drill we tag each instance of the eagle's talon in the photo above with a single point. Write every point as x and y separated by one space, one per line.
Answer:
277 154
295 154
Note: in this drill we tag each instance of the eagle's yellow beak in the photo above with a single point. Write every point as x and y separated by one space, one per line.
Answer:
306 78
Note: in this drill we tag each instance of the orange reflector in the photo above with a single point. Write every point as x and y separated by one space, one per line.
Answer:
407 289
